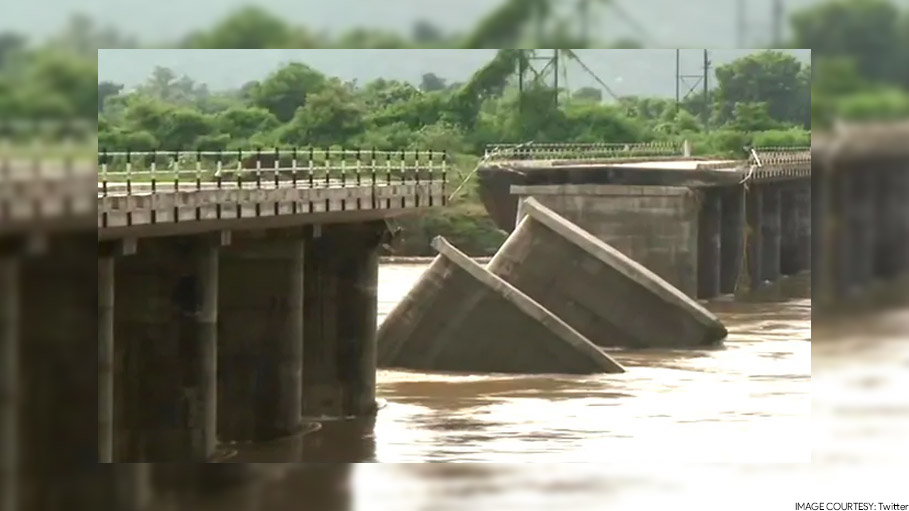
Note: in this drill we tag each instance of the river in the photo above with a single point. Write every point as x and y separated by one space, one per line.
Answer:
747 402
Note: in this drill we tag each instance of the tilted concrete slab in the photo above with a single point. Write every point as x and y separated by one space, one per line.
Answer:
459 317
603 294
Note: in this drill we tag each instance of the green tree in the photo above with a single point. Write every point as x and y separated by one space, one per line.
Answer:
106 90
331 116
183 127
771 77
10 45
252 28
864 30
430 82
242 123
750 117
286 90
588 94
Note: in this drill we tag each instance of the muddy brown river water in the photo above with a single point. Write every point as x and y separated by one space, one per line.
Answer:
746 402
748 406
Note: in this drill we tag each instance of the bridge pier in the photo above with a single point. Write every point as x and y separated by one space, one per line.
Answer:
260 335
105 357
710 221
864 230
165 309
771 231
795 222
732 210
340 325
889 217
754 213
9 381
56 437
901 231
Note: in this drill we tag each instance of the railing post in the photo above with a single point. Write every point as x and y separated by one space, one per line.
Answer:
198 170
104 163
153 167
258 168
129 165
176 156
277 171
444 177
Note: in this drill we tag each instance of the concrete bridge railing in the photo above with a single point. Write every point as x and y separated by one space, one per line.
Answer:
582 151
162 189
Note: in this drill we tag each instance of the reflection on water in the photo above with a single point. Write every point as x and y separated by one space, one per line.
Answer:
747 402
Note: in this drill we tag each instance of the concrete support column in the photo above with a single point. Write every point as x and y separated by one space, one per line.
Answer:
903 216
790 262
888 196
105 358
803 218
204 424
841 233
862 226
340 303
261 335
58 383
771 232
732 241
9 382
710 220
754 213
164 327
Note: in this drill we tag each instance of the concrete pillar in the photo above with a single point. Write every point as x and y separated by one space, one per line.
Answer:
754 214
819 256
888 257
790 262
340 327
902 186
732 240
732 244
9 382
204 425
132 489
771 232
841 236
105 358
803 217
862 225
260 335
164 326
710 220
58 383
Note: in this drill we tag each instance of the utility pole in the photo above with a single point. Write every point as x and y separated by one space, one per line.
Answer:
555 75
522 62
678 78
706 92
